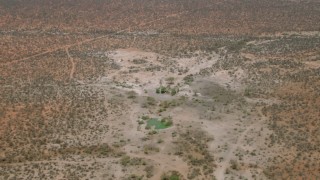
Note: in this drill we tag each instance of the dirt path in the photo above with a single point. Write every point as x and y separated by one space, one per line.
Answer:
55 49
92 39
73 65
52 161
104 36
223 165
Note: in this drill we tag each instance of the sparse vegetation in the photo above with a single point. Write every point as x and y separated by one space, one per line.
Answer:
137 90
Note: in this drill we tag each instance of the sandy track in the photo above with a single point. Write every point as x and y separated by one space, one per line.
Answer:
104 36
73 65
101 160
54 50
94 39
223 165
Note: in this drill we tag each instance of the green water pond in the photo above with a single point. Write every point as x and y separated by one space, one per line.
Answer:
157 124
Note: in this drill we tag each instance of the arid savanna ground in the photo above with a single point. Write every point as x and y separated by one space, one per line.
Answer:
233 87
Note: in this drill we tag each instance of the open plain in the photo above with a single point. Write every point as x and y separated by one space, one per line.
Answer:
160 89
